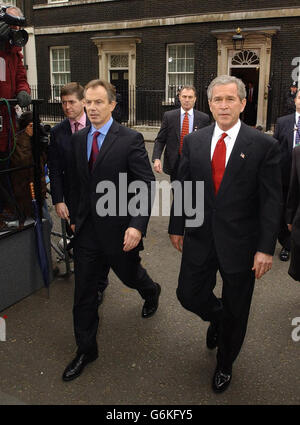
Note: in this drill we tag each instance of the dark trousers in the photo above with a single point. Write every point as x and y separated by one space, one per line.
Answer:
284 235
173 174
195 292
90 265
294 269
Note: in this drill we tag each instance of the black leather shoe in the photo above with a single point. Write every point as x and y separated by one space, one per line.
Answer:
75 368
284 254
212 336
221 381
151 304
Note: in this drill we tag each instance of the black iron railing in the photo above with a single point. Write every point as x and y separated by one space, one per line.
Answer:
139 106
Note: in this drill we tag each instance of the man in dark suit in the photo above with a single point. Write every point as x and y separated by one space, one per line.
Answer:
60 153
290 98
293 214
250 111
60 145
174 128
107 158
286 131
241 217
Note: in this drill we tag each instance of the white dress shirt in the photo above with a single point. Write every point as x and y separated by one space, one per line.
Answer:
190 117
295 125
229 139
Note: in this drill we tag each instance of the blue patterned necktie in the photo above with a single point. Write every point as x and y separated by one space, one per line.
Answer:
297 141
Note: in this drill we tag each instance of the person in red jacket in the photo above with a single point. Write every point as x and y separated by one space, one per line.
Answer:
13 85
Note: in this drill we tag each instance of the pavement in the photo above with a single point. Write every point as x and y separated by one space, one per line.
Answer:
162 360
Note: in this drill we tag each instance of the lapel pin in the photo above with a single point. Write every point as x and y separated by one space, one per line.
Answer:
242 155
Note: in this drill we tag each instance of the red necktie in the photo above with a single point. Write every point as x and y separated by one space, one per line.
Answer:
94 151
218 162
184 130
76 126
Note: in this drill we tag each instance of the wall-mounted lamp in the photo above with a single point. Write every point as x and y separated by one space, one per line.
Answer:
238 40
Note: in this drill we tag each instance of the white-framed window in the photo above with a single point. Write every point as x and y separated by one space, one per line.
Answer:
57 1
180 68
60 68
8 2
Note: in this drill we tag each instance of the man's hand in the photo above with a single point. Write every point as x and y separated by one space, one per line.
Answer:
62 210
157 166
72 227
262 264
177 241
289 227
132 238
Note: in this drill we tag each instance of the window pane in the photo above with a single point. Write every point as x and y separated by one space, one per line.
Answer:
172 80
189 51
54 66
172 51
190 65
181 51
181 80
172 65
180 65
189 79
60 68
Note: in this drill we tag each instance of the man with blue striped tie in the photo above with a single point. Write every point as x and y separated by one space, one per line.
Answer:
287 132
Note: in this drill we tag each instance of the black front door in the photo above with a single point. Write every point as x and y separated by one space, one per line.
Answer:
119 78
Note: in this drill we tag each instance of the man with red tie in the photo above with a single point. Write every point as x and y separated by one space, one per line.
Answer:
175 125
106 154
59 157
240 168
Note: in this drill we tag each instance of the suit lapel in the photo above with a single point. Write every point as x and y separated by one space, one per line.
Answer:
67 127
177 122
239 155
290 131
205 158
196 123
82 151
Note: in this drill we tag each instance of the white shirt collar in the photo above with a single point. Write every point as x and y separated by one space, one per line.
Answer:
231 133
190 112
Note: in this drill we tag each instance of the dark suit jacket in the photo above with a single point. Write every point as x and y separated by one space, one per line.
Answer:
59 159
168 137
123 151
293 199
244 216
284 133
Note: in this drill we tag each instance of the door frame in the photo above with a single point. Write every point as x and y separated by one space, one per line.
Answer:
259 39
119 45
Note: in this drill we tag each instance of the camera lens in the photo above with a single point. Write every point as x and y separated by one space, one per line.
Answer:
18 37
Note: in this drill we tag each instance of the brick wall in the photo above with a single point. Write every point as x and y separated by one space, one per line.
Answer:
151 52
140 9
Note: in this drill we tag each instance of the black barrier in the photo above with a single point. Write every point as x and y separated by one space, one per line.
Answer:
36 152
